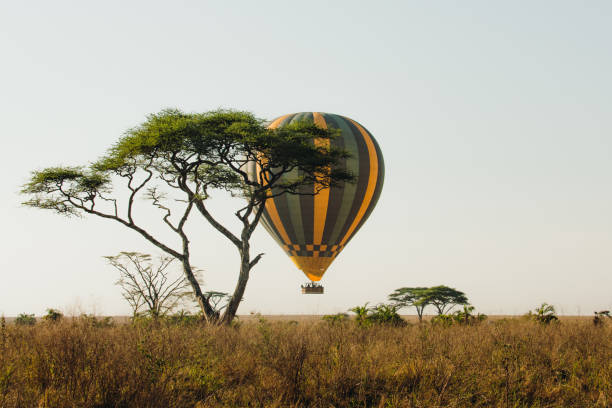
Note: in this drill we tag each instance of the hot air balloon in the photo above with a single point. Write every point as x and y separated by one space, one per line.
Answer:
314 229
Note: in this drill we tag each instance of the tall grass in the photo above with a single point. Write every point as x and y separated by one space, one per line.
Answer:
512 363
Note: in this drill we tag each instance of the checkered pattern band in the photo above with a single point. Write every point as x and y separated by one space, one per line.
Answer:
322 251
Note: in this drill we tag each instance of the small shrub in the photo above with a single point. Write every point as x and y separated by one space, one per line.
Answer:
386 314
380 314
336 318
443 319
53 316
184 318
100 322
598 319
544 314
362 315
465 316
25 319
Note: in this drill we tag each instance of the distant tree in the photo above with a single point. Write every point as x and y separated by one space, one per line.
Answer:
411 297
25 319
544 314
598 318
218 300
53 316
175 160
149 286
444 298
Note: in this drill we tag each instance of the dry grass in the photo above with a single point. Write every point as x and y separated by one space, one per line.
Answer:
504 363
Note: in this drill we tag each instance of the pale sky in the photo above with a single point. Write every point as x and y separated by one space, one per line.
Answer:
494 119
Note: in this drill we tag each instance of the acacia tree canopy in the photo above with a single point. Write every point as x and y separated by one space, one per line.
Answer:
191 154
441 297
444 298
407 297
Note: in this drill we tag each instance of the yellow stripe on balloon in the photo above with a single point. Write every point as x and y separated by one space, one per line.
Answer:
278 121
371 182
273 213
321 200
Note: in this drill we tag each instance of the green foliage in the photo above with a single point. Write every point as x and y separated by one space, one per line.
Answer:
25 319
407 297
443 319
185 318
544 314
441 297
362 315
463 316
98 322
444 298
59 188
386 314
208 148
336 318
53 316
379 314
212 146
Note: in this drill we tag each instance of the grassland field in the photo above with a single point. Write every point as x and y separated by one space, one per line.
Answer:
302 361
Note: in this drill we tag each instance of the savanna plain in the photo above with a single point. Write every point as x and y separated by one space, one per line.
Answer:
308 362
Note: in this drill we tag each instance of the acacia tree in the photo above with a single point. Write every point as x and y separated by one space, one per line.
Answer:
150 286
407 297
444 298
188 156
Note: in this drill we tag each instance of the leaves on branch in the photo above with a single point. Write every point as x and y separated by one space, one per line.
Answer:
60 188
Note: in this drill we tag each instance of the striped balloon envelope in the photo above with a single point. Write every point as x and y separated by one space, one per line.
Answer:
314 229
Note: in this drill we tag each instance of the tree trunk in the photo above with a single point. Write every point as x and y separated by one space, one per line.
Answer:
210 314
245 268
420 313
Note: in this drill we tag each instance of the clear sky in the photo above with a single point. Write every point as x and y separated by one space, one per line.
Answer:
494 119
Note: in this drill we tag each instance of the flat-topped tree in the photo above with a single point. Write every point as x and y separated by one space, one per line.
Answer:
406 297
444 298
186 156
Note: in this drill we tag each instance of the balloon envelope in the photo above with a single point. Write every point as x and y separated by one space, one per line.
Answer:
314 229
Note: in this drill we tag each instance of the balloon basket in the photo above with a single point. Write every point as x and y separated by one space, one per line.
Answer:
312 288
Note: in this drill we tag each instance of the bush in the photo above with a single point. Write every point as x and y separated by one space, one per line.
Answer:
53 316
99 322
463 316
544 314
362 315
185 318
25 319
443 319
336 318
598 319
386 314
380 314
